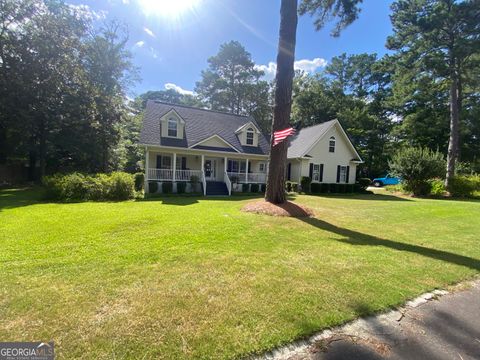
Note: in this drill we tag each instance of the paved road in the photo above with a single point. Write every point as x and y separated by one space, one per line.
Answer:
447 327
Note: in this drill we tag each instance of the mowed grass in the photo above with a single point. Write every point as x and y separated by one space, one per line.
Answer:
181 278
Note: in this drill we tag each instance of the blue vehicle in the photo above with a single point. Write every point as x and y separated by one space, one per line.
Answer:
387 180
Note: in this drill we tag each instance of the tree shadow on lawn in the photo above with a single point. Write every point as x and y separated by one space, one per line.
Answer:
183 200
357 238
372 196
19 197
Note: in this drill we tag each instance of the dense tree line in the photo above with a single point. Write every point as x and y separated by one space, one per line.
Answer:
62 87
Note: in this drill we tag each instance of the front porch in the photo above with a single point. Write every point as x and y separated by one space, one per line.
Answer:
164 166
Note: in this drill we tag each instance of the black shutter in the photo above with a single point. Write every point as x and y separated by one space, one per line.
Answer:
289 171
311 171
321 172
338 173
348 174
159 161
184 163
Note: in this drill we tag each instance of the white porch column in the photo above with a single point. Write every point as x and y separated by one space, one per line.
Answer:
174 166
203 162
147 166
226 161
246 172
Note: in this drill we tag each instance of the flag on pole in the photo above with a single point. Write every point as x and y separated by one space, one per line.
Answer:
279 136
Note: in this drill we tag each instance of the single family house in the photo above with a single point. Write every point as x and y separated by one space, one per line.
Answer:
218 152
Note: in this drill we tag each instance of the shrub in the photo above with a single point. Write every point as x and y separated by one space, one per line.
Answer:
139 181
437 187
53 188
98 187
167 187
121 186
71 187
464 186
334 188
294 186
245 188
288 186
80 187
263 188
305 182
75 187
181 187
415 166
324 188
152 187
342 188
350 188
316 188
254 188
194 179
364 183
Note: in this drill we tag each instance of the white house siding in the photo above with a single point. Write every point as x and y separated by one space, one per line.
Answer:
320 155
215 141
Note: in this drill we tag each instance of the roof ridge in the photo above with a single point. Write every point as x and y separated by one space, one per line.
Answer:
323 123
197 108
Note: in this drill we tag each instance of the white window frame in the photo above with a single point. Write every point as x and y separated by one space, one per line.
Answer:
169 122
316 172
343 174
332 144
247 138
262 167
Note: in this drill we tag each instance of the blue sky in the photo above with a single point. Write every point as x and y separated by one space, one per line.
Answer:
172 49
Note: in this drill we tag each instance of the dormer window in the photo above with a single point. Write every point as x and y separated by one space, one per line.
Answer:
250 135
172 127
331 144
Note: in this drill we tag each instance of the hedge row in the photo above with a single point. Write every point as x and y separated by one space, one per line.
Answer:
462 186
81 187
465 186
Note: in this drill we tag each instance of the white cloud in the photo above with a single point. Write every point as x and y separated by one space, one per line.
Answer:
140 43
310 66
306 65
170 86
149 32
269 70
126 1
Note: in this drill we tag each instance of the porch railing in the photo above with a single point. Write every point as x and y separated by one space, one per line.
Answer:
227 181
260 178
160 174
167 174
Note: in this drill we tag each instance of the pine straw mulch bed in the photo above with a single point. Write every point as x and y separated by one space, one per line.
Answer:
288 208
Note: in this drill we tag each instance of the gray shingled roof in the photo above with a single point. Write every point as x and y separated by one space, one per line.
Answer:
200 124
305 138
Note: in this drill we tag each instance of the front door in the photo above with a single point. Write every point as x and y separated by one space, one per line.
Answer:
209 168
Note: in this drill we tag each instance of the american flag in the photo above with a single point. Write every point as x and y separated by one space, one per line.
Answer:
279 136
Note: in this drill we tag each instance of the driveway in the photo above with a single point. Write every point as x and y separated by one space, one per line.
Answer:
438 325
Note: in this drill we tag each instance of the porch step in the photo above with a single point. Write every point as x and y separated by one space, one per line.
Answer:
216 188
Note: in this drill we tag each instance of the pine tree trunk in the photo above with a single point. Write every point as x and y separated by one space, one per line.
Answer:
454 128
283 100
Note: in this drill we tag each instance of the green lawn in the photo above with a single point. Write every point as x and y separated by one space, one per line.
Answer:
196 278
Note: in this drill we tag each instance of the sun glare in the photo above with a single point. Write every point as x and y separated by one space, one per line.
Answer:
168 8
